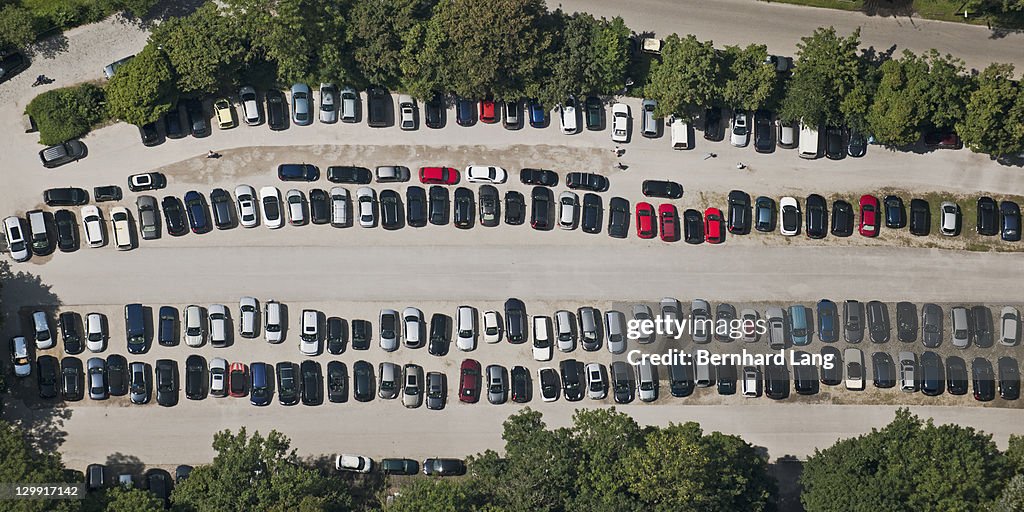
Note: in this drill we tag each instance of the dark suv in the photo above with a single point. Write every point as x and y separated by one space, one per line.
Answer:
515 320
739 212
816 217
540 208
988 216
349 174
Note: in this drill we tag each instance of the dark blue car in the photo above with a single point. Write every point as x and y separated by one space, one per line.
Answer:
828 330
538 117
195 207
465 112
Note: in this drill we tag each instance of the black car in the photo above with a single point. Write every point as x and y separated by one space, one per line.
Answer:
883 370
895 216
586 181
444 467
168 326
312 383
988 216
416 206
515 208
337 335
726 379
832 376
763 132
361 333
197 122
816 218
72 379
805 376
834 147
680 379
463 217
434 109
174 216
172 124
67 230
362 381
48 382
920 217
739 212
618 217
828 321
223 208
319 206
70 333
377 102
713 124
764 214
149 134
693 227
541 210
117 375
349 174
662 188
1009 378
195 208
439 205
857 146
68 196
276 118
622 382
541 177
983 380
11 63
931 325
572 387
1009 212
337 382
980 318
440 335
490 206
724 315
298 172
776 381
195 377
842 218
390 210
592 214
465 112
906 321
878 321
158 482
956 375
932 383
166 372
520 385
287 383
515 321
106 193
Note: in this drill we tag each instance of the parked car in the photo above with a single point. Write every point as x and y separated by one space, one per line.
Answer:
63 153
648 123
225 113
1009 213
662 188
740 129
816 217
197 117
302 105
842 218
739 212
250 106
714 226
869 216
541 177
349 174
567 115
276 118
67 196
920 217
950 223
789 213
895 216
469 381
620 122
328 103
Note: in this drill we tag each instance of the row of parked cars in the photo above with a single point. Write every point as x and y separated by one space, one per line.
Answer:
155 480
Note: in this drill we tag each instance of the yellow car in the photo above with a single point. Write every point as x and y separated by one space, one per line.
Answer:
225 114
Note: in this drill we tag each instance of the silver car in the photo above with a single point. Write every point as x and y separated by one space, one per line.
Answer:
615 323
149 223
250 106
776 328
389 375
407 108
950 223
248 206
497 384
138 383
565 331
700 315
597 381
960 332
412 391
349 105
302 112
390 330
16 243
97 372
1009 326
642 314
328 103
413 319
367 200
339 207
218 376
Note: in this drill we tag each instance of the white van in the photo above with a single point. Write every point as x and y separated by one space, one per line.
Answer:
702 375
680 133
809 142
466 316
273 326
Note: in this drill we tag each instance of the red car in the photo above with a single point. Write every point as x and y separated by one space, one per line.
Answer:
438 176
669 222
238 380
713 225
488 111
869 216
645 221
469 381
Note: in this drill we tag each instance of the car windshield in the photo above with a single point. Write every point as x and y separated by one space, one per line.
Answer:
789 216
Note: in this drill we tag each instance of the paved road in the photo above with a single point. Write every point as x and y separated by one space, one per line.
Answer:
780 26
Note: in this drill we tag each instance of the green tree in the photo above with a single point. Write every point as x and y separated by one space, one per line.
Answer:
828 69
750 84
591 57
257 473
120 499
680 469
66 113
605 437
994 123
436 495
905 466
205 48
143 89
1012 497
899 106
137 8
17 26
376 36
1015 453
20 461
686 78
947 90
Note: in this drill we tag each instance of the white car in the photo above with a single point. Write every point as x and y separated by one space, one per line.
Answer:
273 321
247 308
328 103
367 200
413 319
96 332
248 211
465 318
751 382
542 344
122 228
492 327
16 239
339 207
217 318
193 325
407 109
92 222
250 105
789 216
43 336
620 122
218 376
19 356
1009 326
309 340
950 218
485 174
568 208
597 383
568 117
270 199
357 463
740 126
296 207
565 330
854 360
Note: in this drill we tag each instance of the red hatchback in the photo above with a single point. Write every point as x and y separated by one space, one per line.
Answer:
469 381
238 380
713 225
438 176
645 221
869 216
668 222
488 111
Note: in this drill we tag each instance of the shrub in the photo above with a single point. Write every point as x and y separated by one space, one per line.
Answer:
67 113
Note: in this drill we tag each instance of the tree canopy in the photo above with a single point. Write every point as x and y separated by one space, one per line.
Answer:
686 78
143 89
750 84
828 70
994 122
20 461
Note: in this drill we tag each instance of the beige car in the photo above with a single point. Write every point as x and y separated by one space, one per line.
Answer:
854 359
225 114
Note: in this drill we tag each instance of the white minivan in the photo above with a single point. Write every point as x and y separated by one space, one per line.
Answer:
466 317
542 348
680 133
273 321
809 142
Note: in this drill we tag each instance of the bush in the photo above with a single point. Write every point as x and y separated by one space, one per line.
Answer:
67 113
